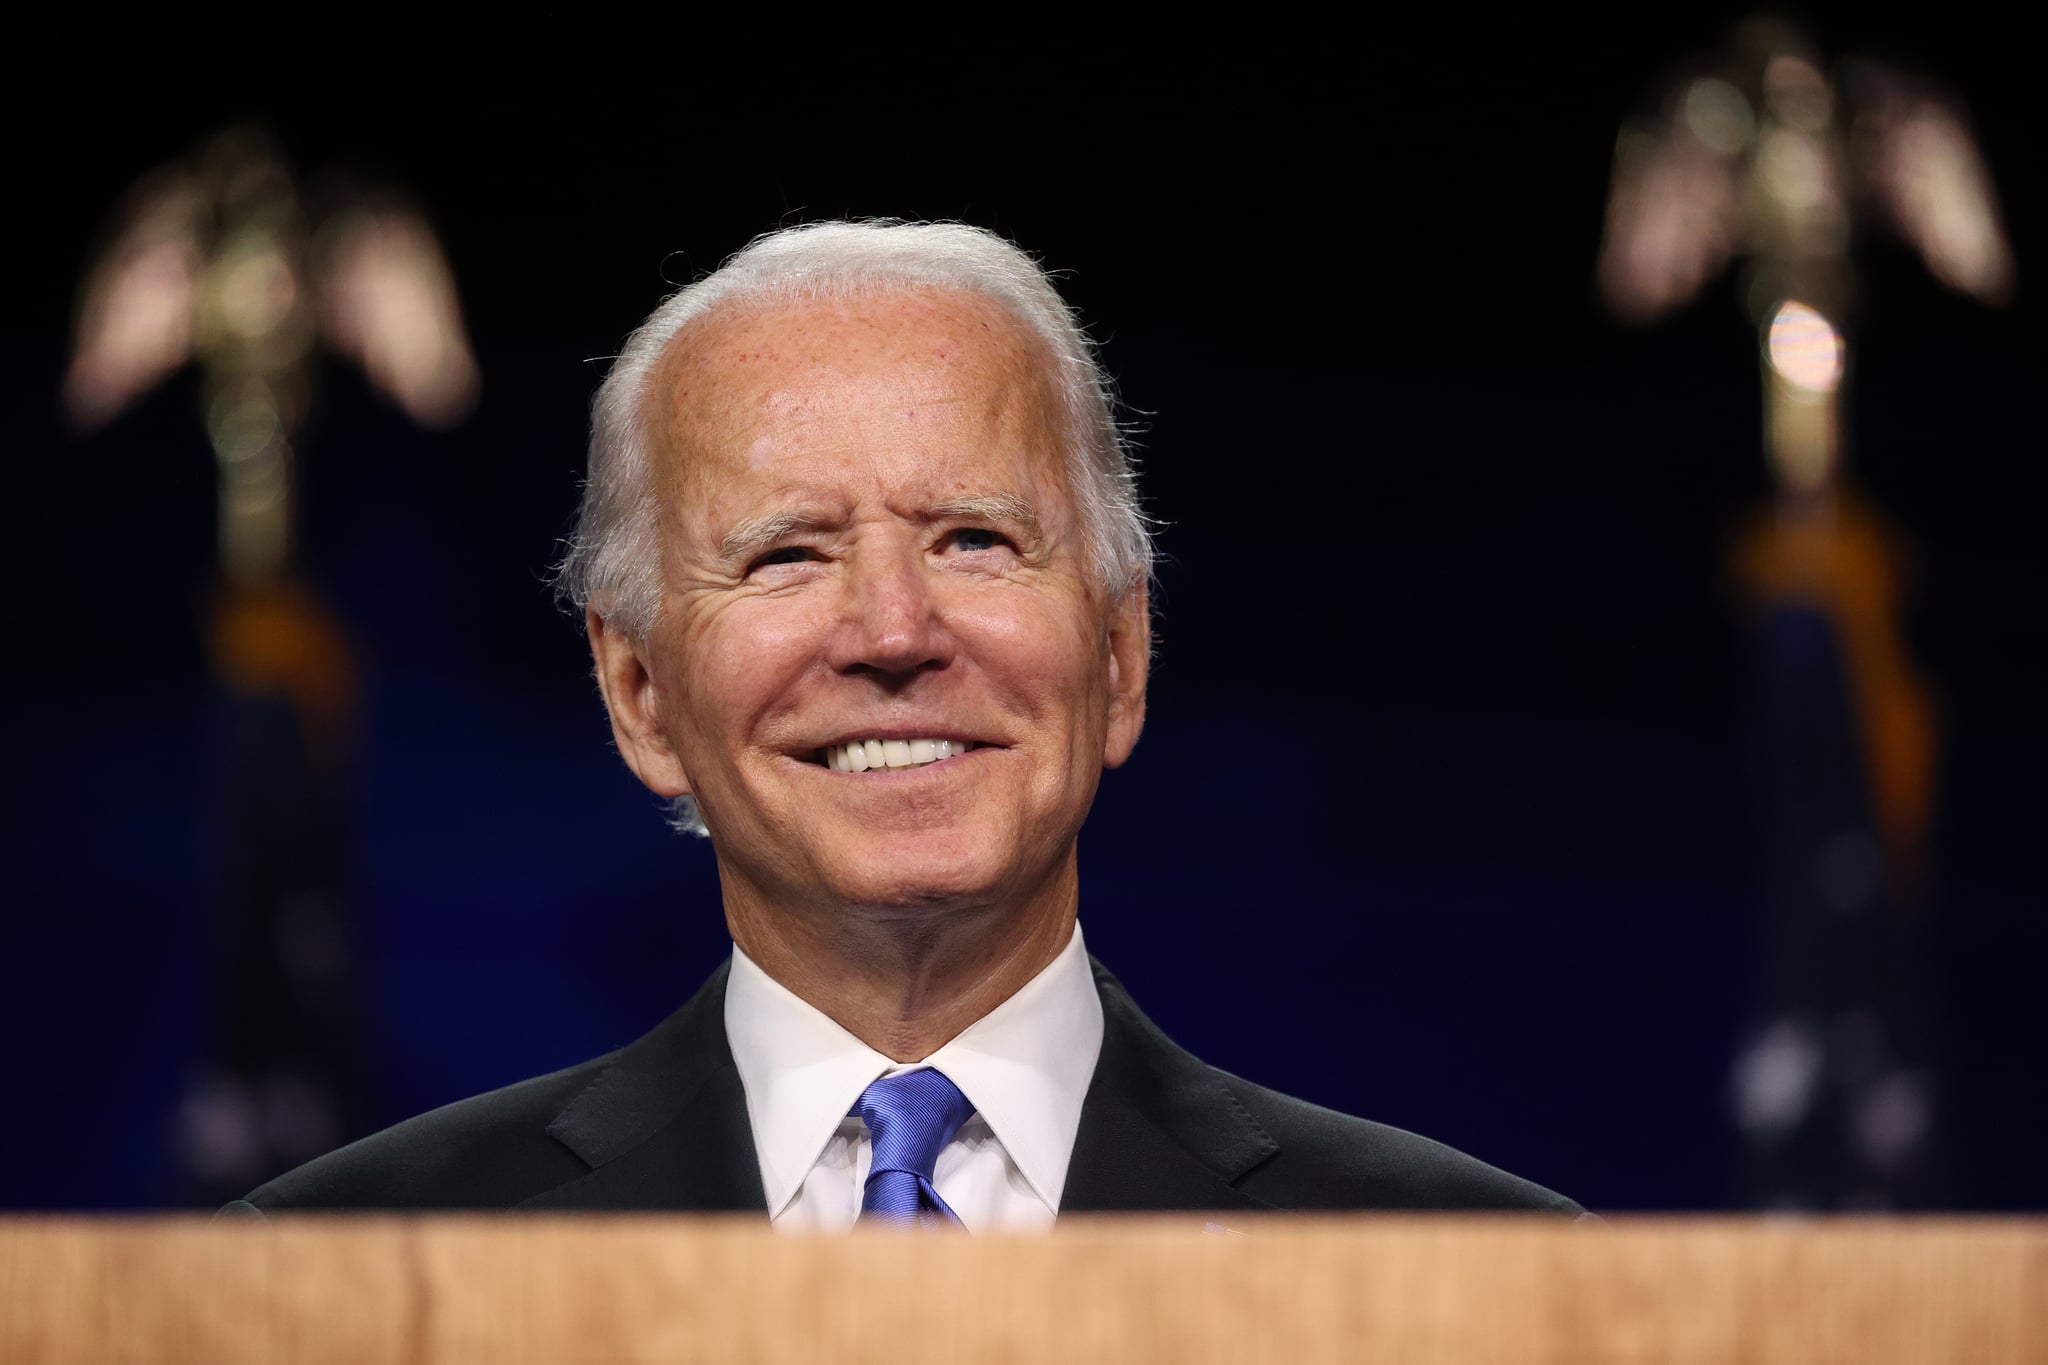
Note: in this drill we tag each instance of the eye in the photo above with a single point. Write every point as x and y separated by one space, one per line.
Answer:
788 554
974 538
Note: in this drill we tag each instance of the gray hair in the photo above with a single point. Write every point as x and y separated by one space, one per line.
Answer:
614 555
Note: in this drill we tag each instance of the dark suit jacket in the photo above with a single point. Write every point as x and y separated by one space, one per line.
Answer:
662 1124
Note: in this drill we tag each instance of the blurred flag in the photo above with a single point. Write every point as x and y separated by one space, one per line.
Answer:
218 262
283 1078
1836 1089
1759 154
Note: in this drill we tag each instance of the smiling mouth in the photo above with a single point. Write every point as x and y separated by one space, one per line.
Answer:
866 755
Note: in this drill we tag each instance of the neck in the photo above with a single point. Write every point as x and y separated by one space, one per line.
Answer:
907 981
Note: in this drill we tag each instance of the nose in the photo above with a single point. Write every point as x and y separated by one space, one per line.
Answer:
889 623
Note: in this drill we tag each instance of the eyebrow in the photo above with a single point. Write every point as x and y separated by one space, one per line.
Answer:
992 507
753 535
749 537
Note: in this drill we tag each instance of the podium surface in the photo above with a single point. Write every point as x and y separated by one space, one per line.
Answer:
432 1291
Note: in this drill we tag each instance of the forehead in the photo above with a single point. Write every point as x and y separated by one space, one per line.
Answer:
913 385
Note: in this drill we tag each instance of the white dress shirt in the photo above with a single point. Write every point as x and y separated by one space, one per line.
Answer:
1024 1066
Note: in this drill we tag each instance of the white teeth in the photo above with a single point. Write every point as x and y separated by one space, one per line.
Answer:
862 755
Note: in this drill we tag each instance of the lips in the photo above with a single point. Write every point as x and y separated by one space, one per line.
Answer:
866 755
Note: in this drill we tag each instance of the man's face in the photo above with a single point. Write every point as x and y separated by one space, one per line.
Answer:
869 540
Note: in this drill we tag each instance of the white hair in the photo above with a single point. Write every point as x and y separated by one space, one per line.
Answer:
614 556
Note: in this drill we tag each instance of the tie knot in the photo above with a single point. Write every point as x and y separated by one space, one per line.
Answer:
910 1117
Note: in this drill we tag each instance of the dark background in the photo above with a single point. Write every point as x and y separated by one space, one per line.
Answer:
1445 812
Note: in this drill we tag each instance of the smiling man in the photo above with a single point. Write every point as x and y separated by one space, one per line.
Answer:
864 577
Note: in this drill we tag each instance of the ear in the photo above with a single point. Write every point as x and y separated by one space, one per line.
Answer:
1130 661
634 700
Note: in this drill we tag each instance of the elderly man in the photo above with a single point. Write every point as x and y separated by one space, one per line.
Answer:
864 578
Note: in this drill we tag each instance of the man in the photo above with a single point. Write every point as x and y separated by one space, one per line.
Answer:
864 578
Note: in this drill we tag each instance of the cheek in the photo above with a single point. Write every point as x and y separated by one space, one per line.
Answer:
742 661
1045 658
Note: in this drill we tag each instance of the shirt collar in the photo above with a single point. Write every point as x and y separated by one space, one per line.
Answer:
1025 1066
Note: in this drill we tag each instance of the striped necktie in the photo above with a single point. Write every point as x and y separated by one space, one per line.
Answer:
910 1119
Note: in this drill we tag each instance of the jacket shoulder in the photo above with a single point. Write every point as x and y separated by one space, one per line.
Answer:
489 1151
1328 1160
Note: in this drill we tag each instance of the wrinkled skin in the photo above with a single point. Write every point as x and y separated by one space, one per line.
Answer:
927 577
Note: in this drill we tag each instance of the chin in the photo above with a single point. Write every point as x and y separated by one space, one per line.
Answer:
916 871
922 888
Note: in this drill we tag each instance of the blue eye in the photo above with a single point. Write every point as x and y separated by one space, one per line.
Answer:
976 538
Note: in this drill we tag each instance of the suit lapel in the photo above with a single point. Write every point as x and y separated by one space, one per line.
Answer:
1158 1129
665 1125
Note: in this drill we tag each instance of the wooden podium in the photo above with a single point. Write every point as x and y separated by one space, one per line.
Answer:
625 1290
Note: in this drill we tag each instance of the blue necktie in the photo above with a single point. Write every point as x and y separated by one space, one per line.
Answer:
910 1118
